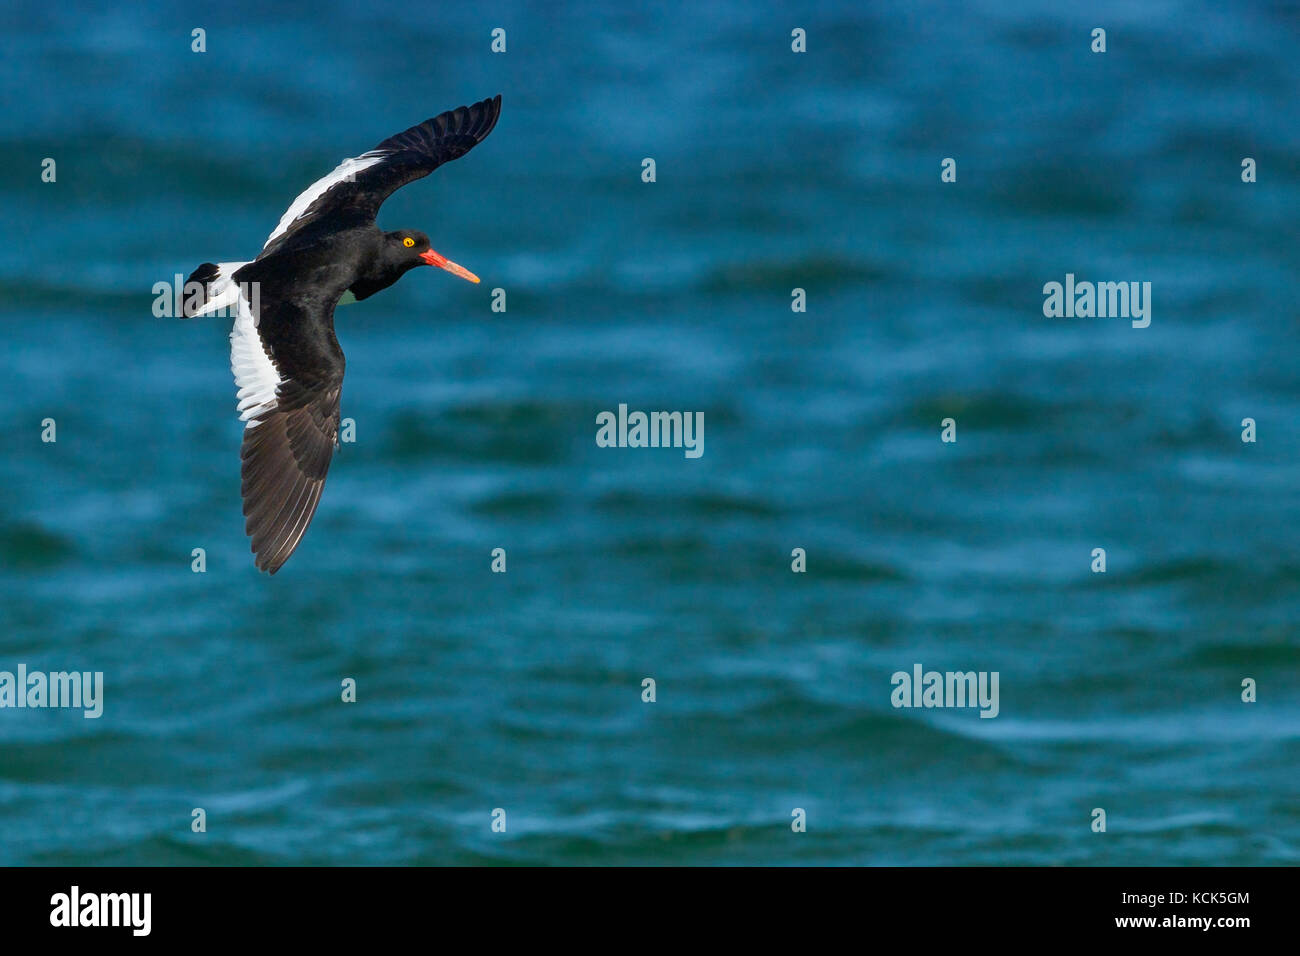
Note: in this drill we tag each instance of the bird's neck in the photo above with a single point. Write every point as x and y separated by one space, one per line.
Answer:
379 276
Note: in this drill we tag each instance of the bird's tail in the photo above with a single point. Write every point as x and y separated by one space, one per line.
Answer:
211 288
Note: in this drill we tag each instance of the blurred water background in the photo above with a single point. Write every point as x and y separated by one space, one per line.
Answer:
476 430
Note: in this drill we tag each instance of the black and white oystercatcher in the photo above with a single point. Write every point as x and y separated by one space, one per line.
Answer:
287 363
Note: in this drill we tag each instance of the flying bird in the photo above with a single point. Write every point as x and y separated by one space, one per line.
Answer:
287 363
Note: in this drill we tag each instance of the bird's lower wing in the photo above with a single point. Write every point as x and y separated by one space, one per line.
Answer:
289 387
286 454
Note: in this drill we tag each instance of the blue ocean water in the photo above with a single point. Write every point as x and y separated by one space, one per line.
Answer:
476 430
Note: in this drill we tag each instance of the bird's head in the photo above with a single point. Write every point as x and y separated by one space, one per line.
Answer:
408 248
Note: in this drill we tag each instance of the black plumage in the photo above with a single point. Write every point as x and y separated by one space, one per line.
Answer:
331 246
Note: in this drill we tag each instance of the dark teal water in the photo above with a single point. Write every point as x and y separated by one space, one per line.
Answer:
476 430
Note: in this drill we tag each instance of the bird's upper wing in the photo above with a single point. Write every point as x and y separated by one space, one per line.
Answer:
353 192
289 379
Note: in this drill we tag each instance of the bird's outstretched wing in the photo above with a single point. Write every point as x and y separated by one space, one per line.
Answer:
289 370
354 191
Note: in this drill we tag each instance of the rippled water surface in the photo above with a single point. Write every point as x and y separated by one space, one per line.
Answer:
475 430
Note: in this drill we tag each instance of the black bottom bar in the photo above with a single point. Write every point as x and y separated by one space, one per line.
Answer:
333 906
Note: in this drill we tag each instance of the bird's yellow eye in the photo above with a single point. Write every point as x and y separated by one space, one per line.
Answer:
408 242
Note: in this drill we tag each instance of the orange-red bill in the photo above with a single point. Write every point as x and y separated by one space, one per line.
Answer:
442 262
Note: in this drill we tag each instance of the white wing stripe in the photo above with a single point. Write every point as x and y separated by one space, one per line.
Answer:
255 373
344 172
